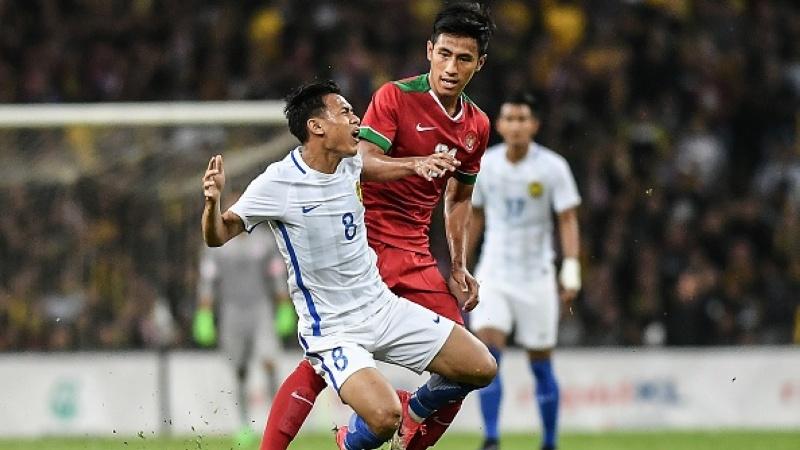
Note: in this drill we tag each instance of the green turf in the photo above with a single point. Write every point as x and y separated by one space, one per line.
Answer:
718 440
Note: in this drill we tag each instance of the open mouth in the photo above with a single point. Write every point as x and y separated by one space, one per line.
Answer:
354 133
449 83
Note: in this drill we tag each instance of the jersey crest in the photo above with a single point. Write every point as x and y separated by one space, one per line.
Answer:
535 189
469 141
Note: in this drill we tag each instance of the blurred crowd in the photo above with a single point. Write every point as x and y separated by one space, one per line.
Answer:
680 119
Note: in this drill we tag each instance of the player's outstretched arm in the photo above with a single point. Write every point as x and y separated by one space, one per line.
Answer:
380 167
218 228
457 214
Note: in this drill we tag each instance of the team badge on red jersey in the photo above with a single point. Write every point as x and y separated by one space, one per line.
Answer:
469 140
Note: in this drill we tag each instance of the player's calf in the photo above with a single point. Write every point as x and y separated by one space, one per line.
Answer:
463 365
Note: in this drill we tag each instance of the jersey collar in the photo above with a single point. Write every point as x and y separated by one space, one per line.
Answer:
300 164
460 114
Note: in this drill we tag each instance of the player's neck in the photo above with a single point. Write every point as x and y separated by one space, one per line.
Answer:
320 159
451 104
516 153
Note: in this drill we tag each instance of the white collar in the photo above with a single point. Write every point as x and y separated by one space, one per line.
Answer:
438 102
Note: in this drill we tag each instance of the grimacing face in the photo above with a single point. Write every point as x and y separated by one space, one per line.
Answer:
340 125
454 60
517 124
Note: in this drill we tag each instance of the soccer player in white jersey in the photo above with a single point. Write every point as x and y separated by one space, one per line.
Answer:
348 317
522 183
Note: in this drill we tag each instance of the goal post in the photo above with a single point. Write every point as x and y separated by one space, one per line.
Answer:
141 114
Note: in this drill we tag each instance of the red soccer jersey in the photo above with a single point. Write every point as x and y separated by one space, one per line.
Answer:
405 119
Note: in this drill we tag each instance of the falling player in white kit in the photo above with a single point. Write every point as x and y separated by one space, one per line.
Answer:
522 183
348 317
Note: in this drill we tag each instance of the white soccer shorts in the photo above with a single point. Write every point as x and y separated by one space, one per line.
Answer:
401 333
531 310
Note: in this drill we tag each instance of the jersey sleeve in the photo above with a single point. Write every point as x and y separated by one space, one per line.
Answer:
467 173
565 191
380 121
263 200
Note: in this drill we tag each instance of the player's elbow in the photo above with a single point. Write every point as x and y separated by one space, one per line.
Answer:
213 241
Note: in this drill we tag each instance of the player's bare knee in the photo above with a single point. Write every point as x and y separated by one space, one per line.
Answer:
486 370
383 422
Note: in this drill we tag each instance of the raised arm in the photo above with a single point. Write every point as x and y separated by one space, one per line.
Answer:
457 214
379 166
218 228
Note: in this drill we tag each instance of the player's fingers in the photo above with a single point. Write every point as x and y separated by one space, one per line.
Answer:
444 165
450 158
211 162
219 163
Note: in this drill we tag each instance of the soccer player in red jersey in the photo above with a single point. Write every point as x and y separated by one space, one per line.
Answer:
407 121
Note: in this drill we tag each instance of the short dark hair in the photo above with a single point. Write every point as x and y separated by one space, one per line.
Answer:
305 102
465 19
524 98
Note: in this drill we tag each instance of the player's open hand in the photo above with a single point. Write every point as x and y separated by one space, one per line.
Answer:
435 165
214 179
464 288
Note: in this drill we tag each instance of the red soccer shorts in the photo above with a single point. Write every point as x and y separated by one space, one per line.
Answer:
416 277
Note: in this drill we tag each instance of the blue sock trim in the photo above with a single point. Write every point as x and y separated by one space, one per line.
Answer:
547 396
359 436
491 396
436 393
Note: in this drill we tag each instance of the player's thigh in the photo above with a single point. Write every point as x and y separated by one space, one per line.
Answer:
493 311
536 315
409 335
373 398
336 359
465 359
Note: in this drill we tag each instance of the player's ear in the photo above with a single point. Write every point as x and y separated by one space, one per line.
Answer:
535 124
481 62
315 126
429 50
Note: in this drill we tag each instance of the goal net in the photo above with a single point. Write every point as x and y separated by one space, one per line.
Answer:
100 223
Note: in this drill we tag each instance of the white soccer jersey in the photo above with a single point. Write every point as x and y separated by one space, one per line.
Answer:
518 202
318 222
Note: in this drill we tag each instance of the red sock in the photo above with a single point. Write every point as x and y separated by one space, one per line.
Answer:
291 406
435 426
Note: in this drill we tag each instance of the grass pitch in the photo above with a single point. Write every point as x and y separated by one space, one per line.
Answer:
656 440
